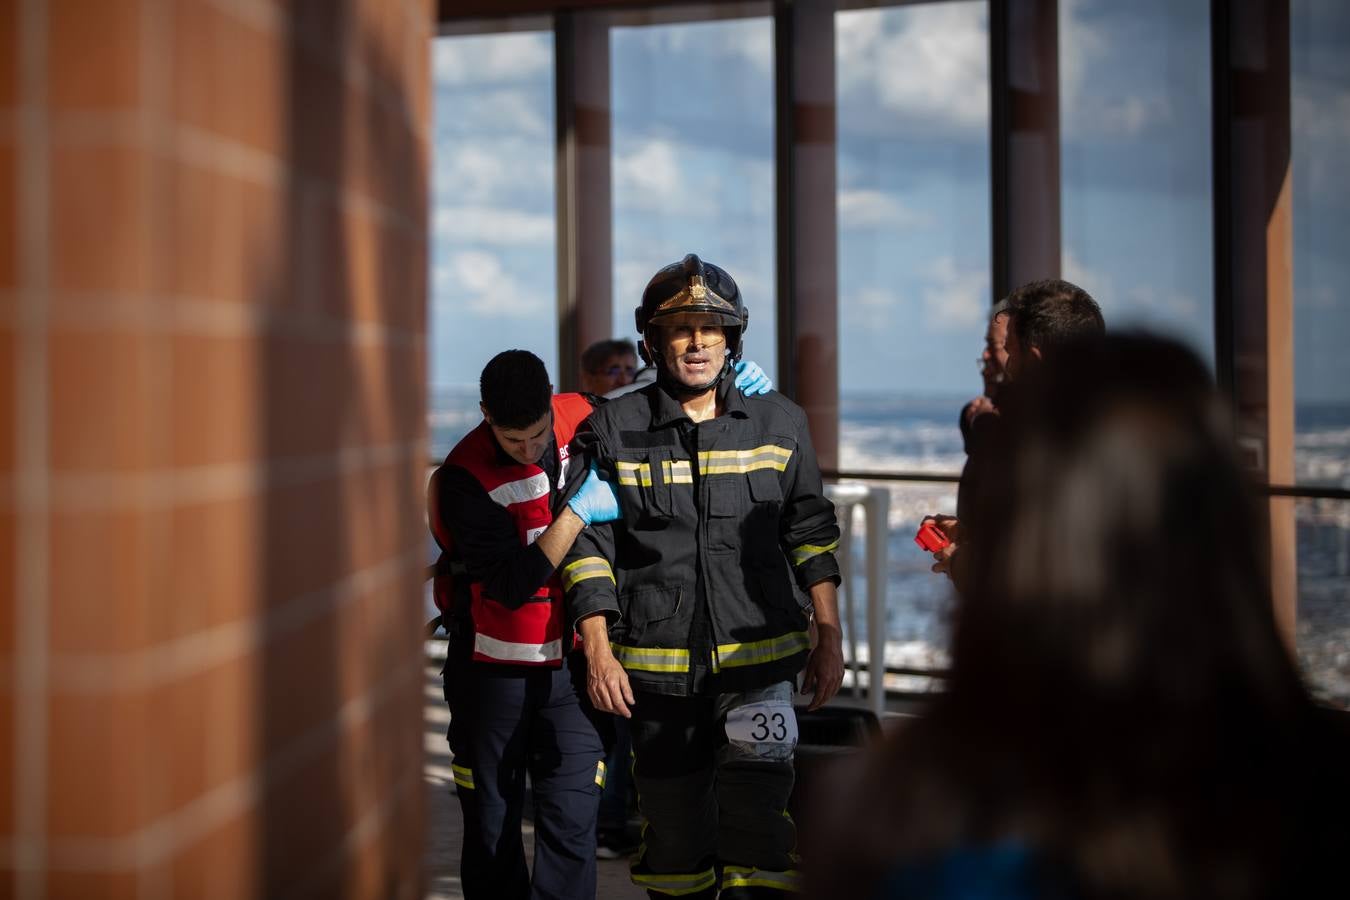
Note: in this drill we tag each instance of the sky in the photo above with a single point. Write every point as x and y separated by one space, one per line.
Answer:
693 171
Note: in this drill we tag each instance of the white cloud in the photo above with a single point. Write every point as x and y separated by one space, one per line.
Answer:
488 59
863 208
749 39
476 282
650 177
474 172
493 114
492 225
870 308
928 62
1097 110
954 299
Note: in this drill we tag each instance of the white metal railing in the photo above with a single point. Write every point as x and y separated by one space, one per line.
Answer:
875 501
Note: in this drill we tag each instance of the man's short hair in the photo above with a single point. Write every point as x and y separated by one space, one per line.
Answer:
1047 314
601 352
515 389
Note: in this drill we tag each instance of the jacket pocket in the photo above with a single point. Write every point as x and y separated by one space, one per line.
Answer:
647 614
765 486
645 484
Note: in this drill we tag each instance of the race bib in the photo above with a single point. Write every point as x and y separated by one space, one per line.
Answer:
763 723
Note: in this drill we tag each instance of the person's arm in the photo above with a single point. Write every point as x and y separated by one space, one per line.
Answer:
487 539
809 532
825 666
591 603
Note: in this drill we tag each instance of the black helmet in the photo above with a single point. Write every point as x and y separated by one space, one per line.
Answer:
693 286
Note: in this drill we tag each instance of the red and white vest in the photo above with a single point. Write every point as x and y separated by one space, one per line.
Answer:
533 633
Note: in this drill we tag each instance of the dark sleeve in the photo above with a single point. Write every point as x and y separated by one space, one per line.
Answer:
808 529
487 540
587 570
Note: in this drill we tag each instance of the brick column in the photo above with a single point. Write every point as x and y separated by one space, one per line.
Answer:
212 386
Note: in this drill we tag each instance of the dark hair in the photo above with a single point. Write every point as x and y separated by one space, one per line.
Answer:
1120 701
515 389
1046 314
597 354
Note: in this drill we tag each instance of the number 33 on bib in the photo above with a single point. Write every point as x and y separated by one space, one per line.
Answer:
769 728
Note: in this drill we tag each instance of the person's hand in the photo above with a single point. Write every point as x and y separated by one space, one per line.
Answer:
978 407
825 666
751 378
596 500
951 528
606 681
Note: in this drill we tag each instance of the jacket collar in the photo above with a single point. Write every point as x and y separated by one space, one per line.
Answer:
666 410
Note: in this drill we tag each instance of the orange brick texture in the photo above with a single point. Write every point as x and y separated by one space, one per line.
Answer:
212 386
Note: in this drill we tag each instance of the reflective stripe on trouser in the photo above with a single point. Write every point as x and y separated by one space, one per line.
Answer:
708 801
560 747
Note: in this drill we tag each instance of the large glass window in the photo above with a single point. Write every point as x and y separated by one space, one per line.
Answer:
1135 162
1320 34
914 289
1324 597
493 277
693 167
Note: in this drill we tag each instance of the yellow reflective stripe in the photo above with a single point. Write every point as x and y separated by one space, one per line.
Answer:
587 567
807 551
631 473
600 773
739 462
754 653
463 776
677 471
651 659
741 876
674 885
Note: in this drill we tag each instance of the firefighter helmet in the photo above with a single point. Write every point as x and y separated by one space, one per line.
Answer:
693 286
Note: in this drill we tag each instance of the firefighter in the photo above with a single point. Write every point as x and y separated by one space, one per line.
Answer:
689 603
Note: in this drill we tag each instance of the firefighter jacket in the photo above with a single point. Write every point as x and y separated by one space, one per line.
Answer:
719 519
532 632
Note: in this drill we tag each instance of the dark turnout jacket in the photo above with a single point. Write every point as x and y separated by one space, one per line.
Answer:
720 520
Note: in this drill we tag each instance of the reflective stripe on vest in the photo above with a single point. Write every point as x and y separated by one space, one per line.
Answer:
651 659
522 491
674 885
508 651
754 653
587 567
809 551
742 876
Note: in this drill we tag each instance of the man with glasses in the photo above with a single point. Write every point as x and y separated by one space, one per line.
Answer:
607 366
693 604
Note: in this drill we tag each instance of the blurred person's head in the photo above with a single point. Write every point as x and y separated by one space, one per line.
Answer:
1044 315
608 365
994 358
516 400
1120 703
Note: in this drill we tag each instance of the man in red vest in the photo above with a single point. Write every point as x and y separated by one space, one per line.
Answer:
501 511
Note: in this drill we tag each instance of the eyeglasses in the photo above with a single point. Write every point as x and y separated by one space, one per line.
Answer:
615 370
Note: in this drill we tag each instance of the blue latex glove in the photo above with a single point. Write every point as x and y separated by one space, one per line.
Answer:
596 500
752 379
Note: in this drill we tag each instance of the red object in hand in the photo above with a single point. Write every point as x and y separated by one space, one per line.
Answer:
931 538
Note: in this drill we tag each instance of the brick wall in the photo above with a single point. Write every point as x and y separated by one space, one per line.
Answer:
212 320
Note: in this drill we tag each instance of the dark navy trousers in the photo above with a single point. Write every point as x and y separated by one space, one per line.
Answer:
506 721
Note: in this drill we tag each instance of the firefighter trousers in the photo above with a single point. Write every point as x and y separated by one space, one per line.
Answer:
506 721
716 805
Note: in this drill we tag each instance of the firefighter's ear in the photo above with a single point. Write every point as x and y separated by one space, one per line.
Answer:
483 409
